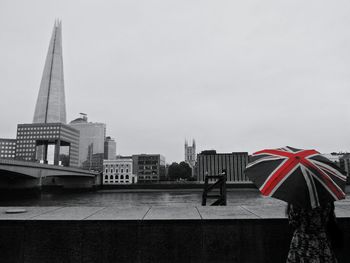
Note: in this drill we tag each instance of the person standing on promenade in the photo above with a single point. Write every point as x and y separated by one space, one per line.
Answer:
316 234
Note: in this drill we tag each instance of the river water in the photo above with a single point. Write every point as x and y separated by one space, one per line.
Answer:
143 198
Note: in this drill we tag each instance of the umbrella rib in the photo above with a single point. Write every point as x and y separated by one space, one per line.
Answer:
331 170
326 187
281 181
314 200
277 175
264 159
327 181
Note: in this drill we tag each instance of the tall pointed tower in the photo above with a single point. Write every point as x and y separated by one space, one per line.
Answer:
51 105
190 153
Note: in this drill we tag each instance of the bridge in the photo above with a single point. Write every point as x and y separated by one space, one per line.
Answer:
29 175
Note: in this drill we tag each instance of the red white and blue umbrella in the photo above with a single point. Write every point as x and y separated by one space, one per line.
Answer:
301 177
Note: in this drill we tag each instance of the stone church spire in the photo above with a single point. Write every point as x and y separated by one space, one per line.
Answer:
51 104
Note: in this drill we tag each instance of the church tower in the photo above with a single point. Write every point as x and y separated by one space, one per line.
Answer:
190 153
51 105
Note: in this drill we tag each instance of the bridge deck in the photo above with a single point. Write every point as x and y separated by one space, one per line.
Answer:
5 162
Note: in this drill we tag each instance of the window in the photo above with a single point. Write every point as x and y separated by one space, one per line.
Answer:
111 177
122 177
106 177
122 171
127 177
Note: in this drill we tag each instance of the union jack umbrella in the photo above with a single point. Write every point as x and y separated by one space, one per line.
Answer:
301 177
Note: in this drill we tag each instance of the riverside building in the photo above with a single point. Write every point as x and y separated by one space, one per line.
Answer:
118 171
91 143
51 105
212 163
149 168
7 148
48 139
190 154
51 143
110 149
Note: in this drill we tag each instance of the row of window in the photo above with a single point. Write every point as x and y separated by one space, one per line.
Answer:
148 177
25 146
7 155
8 147
148 167
111 177
7 143
117 171
37 132
37 137
7 151
24 154
38 128
116 165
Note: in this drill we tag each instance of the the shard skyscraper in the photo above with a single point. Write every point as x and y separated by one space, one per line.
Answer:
51 105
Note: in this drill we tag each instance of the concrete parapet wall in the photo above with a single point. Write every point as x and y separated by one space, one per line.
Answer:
151 234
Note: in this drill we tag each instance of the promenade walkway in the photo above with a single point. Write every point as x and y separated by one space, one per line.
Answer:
241 234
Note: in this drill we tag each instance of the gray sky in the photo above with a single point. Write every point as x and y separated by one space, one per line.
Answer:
234 75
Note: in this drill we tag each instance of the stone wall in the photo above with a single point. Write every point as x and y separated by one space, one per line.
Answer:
150 234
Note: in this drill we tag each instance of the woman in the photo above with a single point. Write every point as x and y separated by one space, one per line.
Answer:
314 231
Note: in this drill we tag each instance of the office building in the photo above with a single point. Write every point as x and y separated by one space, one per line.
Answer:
51 105
91 143
212 163
110 150
51 143
149 168
118 171
7 148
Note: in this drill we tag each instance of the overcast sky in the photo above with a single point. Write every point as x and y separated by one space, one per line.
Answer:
234 75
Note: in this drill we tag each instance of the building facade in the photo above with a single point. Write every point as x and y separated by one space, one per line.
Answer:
149 168
110 149
190 154
51 105
212 163
91 143
118 171
51 143
7 148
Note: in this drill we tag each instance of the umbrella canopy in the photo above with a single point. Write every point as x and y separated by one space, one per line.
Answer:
301 177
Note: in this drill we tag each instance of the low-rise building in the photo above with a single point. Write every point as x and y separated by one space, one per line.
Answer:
150 168
51 143
118 171
212 163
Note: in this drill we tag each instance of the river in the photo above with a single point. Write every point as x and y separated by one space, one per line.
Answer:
142 198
